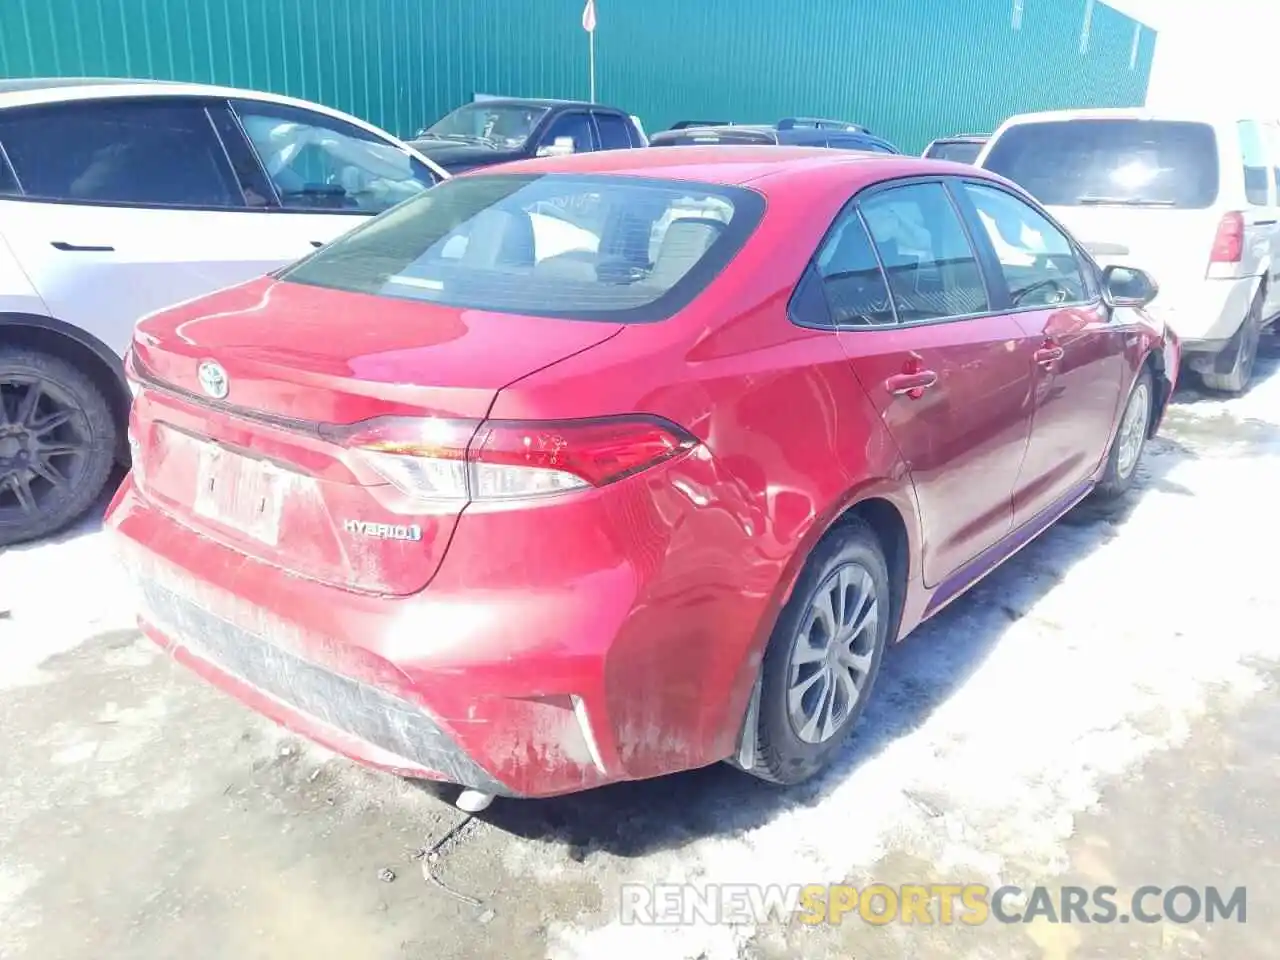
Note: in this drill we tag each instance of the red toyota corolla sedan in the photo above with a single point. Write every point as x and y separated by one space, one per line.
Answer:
597 468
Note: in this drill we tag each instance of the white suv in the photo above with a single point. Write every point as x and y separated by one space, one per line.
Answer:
1190 199
120 197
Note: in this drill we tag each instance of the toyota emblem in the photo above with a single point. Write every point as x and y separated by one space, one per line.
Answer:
213 379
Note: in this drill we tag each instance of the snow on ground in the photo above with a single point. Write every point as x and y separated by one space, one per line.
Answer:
990 728
994 725
55 594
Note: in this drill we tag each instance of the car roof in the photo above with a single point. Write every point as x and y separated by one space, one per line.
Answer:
1123 113
43 90
38 91
537 102
736 165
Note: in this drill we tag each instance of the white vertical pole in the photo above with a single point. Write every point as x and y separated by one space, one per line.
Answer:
592 48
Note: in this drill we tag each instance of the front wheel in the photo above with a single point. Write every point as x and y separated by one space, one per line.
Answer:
57 444
823 656
1130 440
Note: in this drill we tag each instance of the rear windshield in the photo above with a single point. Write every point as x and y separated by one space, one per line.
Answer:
695 137
1131 162
623 249
955 151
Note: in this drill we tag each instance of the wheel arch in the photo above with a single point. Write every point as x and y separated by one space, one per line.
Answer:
889 508
76 346
1157 365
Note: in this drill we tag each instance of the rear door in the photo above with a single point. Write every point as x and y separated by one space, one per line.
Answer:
122 207
1079 360
950 378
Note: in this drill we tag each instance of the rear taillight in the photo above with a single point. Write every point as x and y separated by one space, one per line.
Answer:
437 459
1228 244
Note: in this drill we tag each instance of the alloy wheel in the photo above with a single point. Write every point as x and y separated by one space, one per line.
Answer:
1133 429
44 444
833 653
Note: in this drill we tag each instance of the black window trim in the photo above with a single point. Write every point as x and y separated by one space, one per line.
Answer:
750 207
885 186
597 112
279 206
556 117
991 260
984 254
200 102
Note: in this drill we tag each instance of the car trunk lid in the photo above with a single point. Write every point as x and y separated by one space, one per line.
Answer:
249 462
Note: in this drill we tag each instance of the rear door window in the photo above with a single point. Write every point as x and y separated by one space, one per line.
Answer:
572 126
932 270
621 249
851 277
149 152
1257 165
1162 163
615 133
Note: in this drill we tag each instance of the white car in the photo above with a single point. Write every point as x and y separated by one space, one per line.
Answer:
1191 199
121 197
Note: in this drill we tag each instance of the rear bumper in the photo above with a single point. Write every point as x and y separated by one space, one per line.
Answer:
1205 315
569 670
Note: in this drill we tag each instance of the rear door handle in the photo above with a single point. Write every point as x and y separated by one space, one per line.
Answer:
1264 223
79 248
1047 355
911 384
317 244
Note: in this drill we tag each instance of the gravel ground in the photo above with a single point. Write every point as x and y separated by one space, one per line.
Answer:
1102 710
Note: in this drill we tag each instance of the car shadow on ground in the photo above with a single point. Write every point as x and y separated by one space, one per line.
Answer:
918 675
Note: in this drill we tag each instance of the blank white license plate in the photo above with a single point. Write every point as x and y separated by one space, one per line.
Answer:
239 492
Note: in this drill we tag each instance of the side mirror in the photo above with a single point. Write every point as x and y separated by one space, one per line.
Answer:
560 147
1128 287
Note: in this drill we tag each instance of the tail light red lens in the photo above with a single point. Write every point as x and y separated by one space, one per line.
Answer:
1228 244
439 459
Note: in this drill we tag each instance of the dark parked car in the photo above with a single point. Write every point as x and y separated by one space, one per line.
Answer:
961 148
497 131
686 124
794 132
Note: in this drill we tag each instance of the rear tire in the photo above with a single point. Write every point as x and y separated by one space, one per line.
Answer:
57 444
823 657
1130 440
1242 350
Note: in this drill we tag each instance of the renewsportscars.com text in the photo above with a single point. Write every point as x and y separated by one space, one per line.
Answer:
936 903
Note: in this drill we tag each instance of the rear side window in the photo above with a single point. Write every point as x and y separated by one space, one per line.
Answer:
622 249
956 152
851 277
615 133
129 152
695 138
932 270
1257 167
571 126
1160 163
1272 131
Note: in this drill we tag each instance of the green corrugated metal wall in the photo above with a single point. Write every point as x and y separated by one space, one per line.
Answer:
909 69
